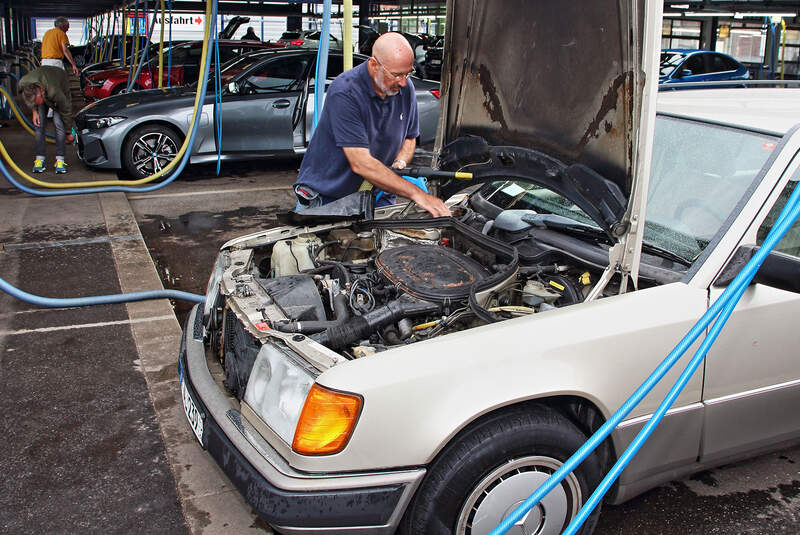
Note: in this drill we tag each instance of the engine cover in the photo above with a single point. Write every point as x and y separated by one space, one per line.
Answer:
430 272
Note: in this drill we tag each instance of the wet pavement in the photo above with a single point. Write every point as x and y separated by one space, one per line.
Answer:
93 427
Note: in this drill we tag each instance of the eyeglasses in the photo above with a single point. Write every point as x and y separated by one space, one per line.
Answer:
395 75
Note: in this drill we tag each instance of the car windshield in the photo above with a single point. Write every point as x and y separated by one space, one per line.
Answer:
699 175
669 60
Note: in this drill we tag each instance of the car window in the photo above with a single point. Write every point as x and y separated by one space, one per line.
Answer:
669 60
282 74
227 53
790 243
290 35
699 174
695 64
720 64
336 67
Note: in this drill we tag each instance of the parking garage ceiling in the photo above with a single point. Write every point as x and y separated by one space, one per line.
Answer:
86 8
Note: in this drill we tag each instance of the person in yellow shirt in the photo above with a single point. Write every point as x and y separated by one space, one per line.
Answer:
55 45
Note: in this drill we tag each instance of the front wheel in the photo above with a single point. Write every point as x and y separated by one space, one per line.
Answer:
149 149
483 475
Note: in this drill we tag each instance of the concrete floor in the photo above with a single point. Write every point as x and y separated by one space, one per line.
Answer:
94 432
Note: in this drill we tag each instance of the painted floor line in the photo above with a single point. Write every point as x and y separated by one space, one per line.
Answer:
212 192
86 325
67 243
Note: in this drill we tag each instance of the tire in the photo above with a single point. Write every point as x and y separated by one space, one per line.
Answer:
494 465
142 143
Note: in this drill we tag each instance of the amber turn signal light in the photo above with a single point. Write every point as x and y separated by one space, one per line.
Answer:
326 422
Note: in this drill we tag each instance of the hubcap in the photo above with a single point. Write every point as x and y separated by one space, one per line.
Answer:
500 492
152 152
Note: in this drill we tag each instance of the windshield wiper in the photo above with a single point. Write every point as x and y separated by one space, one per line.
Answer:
663 253
560 222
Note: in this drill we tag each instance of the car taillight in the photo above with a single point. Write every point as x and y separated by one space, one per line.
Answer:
297 42
436 93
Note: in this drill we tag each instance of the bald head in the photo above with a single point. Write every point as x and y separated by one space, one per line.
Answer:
393 48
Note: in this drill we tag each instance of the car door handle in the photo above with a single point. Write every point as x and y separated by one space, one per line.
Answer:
282 103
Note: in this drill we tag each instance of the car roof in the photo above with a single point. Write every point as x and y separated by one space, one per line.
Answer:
771 110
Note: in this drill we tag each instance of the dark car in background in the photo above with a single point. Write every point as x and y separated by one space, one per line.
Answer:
433 59
185 68
267 103
683 65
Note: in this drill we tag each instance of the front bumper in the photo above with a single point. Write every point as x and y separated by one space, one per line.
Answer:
291 501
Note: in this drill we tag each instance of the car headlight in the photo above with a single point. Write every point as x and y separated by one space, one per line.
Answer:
212 288
277 389
96 83
103 122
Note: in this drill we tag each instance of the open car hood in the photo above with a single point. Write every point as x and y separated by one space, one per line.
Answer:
557 92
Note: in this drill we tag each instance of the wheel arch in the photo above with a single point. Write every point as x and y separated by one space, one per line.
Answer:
580 411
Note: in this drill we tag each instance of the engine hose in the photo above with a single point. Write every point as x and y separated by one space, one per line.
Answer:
361 327
341 312
124 185
54 302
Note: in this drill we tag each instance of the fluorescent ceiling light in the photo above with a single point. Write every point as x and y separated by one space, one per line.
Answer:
707 14
759 15
680 6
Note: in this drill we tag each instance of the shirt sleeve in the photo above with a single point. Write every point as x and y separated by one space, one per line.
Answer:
413 114
63 39
347 121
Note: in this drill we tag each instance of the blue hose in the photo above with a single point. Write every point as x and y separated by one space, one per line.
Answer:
169 50
218 101
54 302
322 64
130 189
722 307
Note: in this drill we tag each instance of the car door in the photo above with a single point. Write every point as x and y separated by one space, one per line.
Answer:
258 116
752 381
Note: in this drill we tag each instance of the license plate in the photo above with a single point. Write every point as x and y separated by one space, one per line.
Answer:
192 414
436 62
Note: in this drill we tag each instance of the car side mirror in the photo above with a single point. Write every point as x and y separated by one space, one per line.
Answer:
233 88
686 72
779 270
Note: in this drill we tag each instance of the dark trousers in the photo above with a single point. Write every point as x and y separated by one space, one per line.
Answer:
61 136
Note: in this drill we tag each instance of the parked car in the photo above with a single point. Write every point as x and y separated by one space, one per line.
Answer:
270 93
681 65
101 66
85 53
433 59
185 68
306 39
367 371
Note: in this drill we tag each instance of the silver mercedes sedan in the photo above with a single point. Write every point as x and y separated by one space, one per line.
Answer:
270 92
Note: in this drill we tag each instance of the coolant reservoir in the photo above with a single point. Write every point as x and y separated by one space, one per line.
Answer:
290 257
535 293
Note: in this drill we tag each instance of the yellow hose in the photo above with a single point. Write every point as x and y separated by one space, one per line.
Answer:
167 168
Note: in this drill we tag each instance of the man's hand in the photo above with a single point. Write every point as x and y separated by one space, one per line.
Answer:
75 71
36 122
70 138
433 205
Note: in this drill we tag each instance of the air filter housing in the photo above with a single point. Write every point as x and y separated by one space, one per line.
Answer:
431 272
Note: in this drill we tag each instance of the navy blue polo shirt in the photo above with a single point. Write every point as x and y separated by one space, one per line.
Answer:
355 116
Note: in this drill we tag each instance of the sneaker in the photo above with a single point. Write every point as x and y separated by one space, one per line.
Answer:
38 166
61 167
